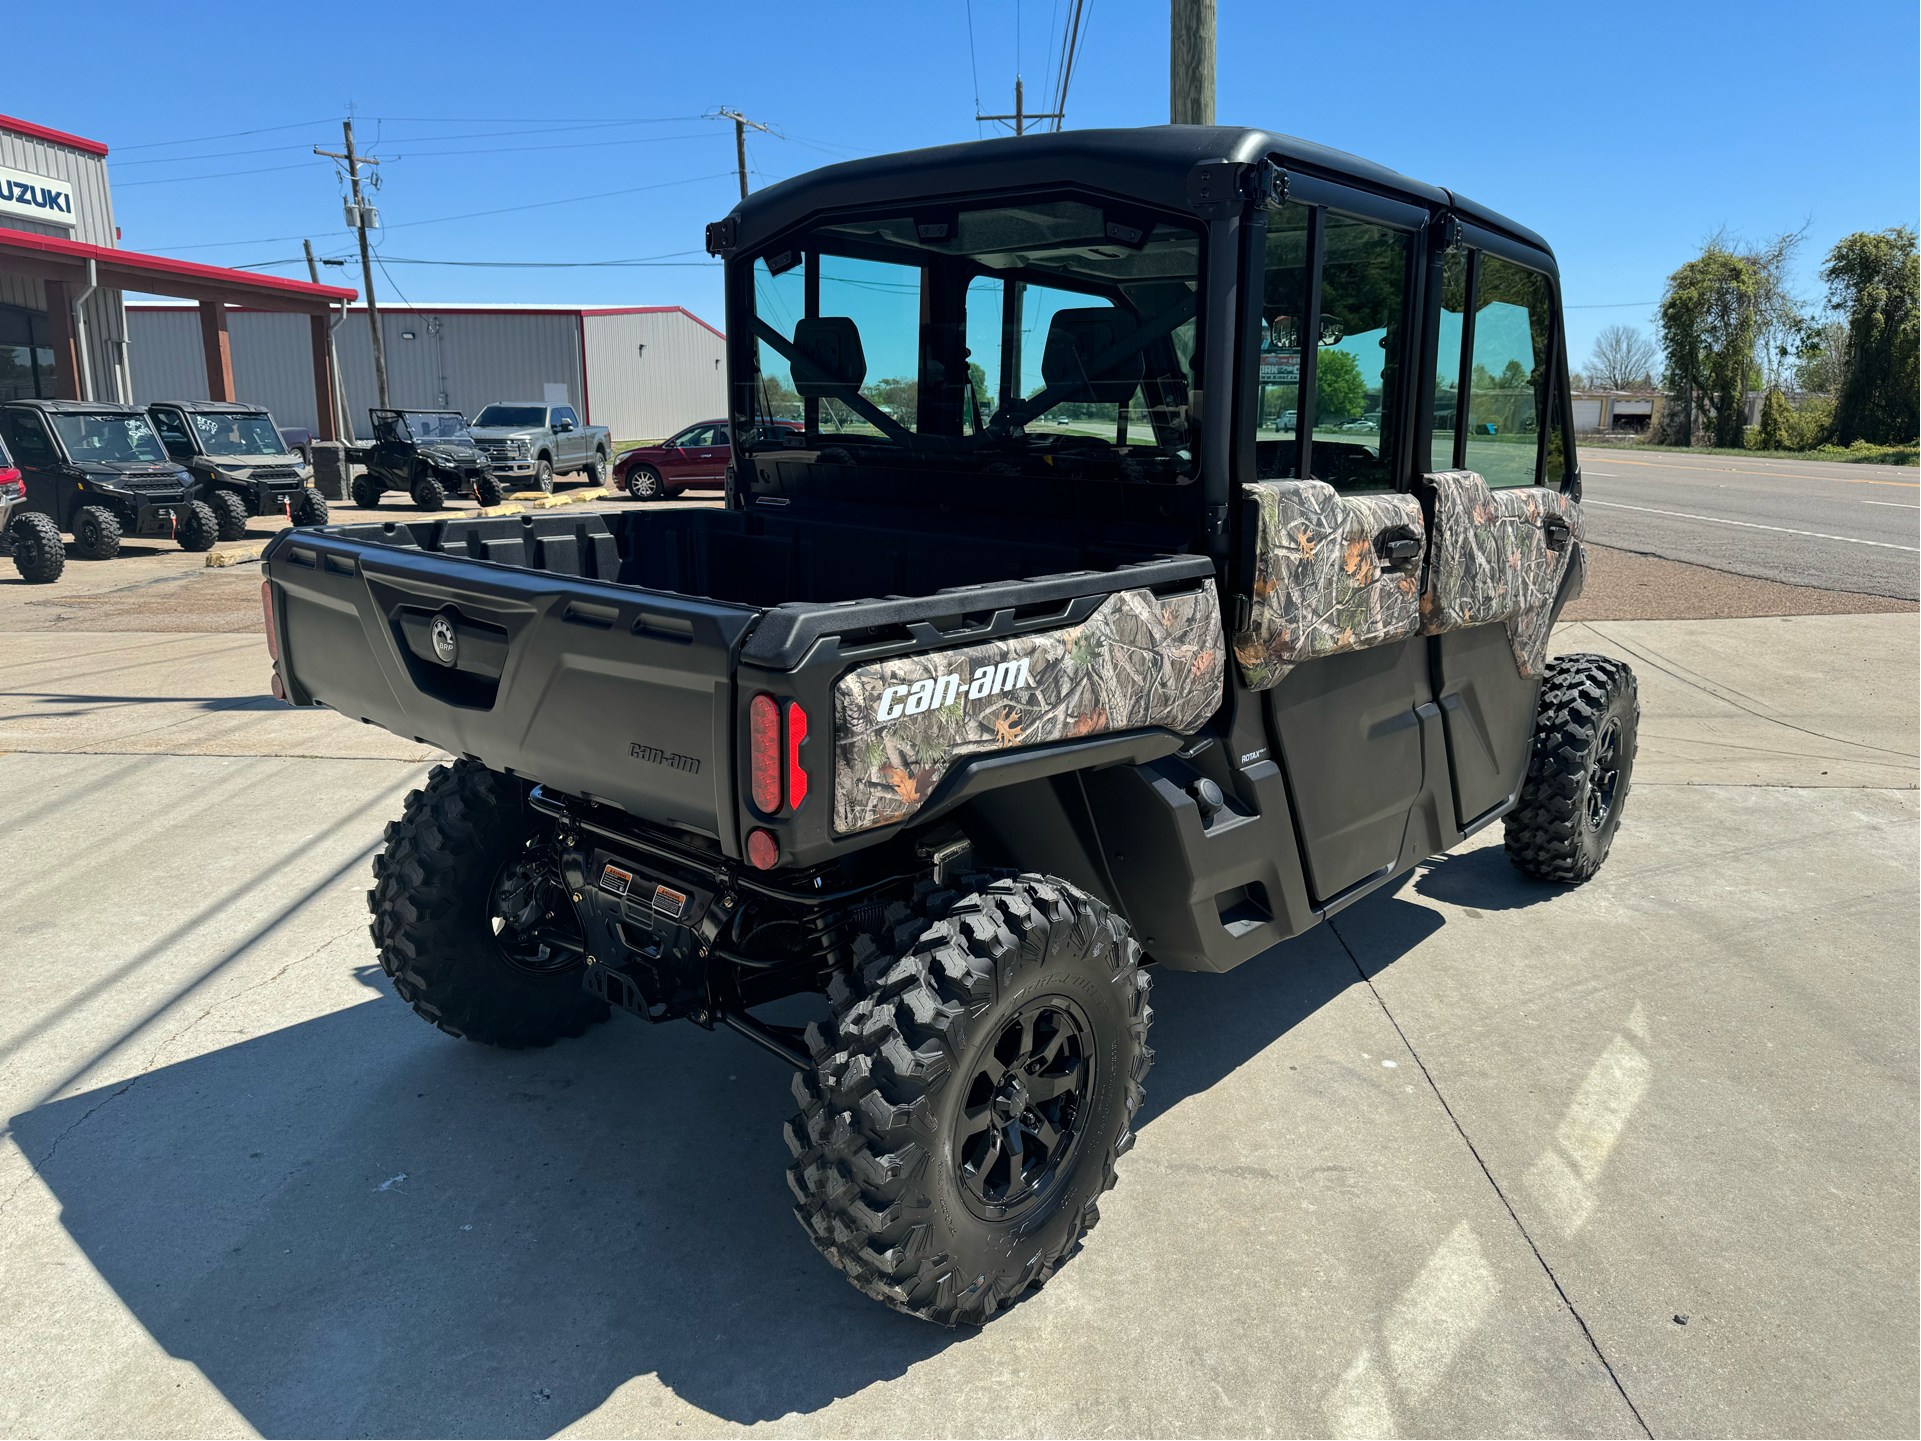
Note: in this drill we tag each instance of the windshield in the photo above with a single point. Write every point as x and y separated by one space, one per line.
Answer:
436 425
514 416
1052 339
108 439
231 434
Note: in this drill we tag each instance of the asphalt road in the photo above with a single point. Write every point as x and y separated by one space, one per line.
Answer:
1836 526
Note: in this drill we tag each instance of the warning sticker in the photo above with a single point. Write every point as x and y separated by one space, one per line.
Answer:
670 903
615 881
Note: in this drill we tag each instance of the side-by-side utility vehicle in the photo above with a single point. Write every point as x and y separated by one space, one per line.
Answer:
243 465
428 454
1114 602
98 472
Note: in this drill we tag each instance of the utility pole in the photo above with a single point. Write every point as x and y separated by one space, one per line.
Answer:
354 162
342 427
1022 115
1191 62
741 126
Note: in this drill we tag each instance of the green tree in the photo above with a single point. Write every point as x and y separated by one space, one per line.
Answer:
1777 421
1707 335
1337 380
900 398
1872 281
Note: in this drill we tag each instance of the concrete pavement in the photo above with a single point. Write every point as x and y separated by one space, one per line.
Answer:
1827 524
1453 1164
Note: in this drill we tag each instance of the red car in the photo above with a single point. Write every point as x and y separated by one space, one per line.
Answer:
695 459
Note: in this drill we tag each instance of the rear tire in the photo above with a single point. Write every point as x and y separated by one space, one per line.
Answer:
38 552
488 491
1019 1010
366 492
644 483
96 533
1585 731
310 507
459 846
230 511
197 528
596 471
427 492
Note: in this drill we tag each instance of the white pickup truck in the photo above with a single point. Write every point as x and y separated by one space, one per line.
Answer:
530 440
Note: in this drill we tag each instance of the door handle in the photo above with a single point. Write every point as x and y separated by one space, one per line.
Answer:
1557 531
1399 548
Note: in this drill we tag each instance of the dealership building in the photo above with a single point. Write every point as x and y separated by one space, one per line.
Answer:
216 334
641 371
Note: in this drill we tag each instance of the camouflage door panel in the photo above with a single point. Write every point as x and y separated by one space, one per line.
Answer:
1490 560
1319 585
1139 660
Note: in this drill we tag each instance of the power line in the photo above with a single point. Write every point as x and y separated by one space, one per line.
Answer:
217 175
229 135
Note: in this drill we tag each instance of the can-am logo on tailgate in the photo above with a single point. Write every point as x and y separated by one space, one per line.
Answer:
899 700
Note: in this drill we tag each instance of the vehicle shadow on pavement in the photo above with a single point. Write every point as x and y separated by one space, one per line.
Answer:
357 1225
1483 879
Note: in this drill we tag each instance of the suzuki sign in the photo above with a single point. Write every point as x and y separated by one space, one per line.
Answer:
35 197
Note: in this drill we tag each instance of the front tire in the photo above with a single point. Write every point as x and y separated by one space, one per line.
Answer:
366 491
644 483
470 923
488 491
96 533
230 511
198 528
310 507
38 552
544 475
1585 732
984 1071
428 493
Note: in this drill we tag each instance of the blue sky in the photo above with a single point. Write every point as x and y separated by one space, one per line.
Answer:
1622 134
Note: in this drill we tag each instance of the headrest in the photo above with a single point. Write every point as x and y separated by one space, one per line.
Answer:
1077 339
828 356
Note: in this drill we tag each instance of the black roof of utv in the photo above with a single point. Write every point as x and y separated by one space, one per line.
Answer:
1150 164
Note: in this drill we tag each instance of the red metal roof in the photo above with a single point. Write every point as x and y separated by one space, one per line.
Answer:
58 137
160 275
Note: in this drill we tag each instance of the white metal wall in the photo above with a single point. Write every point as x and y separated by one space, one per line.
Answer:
458 360
679 377
93 217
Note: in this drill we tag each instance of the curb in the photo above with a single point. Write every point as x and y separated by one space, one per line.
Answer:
239 555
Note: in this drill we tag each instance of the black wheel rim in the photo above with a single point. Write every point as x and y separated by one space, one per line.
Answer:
532 920
1604 775
1024 1109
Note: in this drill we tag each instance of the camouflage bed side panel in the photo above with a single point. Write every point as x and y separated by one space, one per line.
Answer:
1139 660
1490 560
1319 586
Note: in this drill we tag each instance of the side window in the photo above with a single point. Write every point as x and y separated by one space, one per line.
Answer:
1449 361
1508 382
1357 376
719 436
173 430
387 427
1350 411
562 413
29 439
857 347
692 436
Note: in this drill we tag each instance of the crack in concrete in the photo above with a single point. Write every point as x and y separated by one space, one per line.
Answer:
1593 1344
34 1167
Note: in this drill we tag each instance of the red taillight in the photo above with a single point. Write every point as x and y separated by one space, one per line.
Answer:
762 849
796 733
763 748
266 606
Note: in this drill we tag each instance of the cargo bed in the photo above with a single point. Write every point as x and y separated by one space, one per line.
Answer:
598 653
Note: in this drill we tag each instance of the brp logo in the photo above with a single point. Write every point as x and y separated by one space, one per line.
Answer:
446 643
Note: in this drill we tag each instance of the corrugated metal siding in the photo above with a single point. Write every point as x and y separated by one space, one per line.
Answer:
679 378
164 355
93 216
458 361
272 360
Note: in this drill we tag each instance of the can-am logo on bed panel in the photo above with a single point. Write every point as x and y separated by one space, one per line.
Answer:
904 700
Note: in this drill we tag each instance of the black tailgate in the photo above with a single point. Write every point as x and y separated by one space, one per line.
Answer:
556 674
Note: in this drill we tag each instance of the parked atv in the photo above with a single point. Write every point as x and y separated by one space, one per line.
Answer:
243 466
99 472
426 454
30 538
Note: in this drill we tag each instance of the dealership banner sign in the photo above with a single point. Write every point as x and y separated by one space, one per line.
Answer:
35 197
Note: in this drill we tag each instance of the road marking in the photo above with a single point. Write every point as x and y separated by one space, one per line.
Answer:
1751 525
1785 474
1897 504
